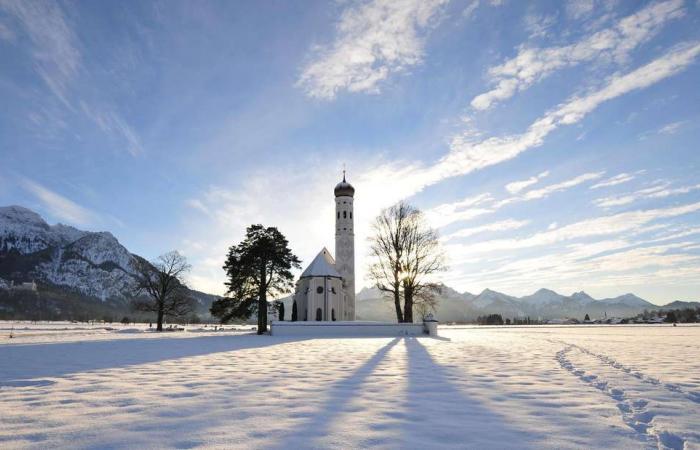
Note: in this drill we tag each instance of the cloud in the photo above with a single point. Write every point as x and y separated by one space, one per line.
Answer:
60 206
531 65
468 208
614 181
538 25
113 125
517 186
548 190
672 128
599 226
503 225
374 40
577 9
660 190
57 58
466 155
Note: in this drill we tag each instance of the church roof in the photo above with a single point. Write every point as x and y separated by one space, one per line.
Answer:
344 188
323 265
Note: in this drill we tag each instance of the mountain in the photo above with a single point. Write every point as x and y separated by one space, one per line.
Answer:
543 304
74 269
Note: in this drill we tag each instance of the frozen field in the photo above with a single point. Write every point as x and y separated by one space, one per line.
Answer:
478 387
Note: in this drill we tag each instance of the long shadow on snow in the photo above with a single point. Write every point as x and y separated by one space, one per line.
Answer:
22 362
437 413
338 397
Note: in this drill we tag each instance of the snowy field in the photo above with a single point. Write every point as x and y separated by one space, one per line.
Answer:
78 386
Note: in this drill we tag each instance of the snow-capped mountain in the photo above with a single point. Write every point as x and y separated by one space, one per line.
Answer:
60 257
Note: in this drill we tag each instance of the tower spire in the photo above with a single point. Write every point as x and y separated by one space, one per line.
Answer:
344 173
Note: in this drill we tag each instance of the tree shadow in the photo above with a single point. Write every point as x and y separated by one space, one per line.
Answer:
339 396
31 361
437 413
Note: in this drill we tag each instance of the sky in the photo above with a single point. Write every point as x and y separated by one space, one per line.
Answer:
552 144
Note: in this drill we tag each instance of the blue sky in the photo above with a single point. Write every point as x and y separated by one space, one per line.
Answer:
554 144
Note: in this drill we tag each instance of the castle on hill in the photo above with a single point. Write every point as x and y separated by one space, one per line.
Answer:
326 289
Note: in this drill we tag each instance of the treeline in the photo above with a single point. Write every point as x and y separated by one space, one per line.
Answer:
57 305
497 319
681 315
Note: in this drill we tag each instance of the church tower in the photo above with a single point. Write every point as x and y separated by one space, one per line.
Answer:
345 243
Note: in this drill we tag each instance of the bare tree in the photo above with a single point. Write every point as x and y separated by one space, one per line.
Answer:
421 259
386 246
406 255
161 287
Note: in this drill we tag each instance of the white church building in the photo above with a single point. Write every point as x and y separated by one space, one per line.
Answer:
326 289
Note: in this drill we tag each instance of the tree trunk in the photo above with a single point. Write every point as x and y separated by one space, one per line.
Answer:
408 305
159 326
397 304
262 303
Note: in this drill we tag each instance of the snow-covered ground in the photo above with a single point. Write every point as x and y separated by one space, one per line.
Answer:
475 387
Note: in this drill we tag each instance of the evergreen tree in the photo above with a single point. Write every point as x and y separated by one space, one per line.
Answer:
258 266
280 311
295 314
586 318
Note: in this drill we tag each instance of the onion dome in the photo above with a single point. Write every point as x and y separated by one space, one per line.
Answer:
344 189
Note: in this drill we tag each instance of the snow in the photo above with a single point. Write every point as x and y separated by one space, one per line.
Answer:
84 386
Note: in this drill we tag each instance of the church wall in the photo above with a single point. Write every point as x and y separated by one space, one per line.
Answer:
309 299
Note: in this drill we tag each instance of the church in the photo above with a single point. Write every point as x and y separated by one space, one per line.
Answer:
326 289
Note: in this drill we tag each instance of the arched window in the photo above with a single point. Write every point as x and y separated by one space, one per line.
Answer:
351 214
345 214
338 214
333 314
332 289
319 314
306 315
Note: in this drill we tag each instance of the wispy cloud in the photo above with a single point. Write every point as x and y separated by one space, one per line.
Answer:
501 225
60 206
374 40
548 190
659 190
596 227
614 181
57 58
672 128
517 186
531 65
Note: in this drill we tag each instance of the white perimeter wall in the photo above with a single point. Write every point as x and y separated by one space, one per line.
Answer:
347 329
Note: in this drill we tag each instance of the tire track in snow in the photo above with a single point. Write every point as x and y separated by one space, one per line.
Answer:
635 412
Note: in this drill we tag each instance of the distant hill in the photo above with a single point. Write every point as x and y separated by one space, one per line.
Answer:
543 304
79 274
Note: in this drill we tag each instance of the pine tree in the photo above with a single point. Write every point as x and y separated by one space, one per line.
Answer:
295 315
259 266
280 311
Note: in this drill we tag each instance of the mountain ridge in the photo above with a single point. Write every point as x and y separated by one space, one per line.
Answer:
65 261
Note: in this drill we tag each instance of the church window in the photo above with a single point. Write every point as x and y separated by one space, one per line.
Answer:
345 214
333 314
332 289
351 214
319 290
319 314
